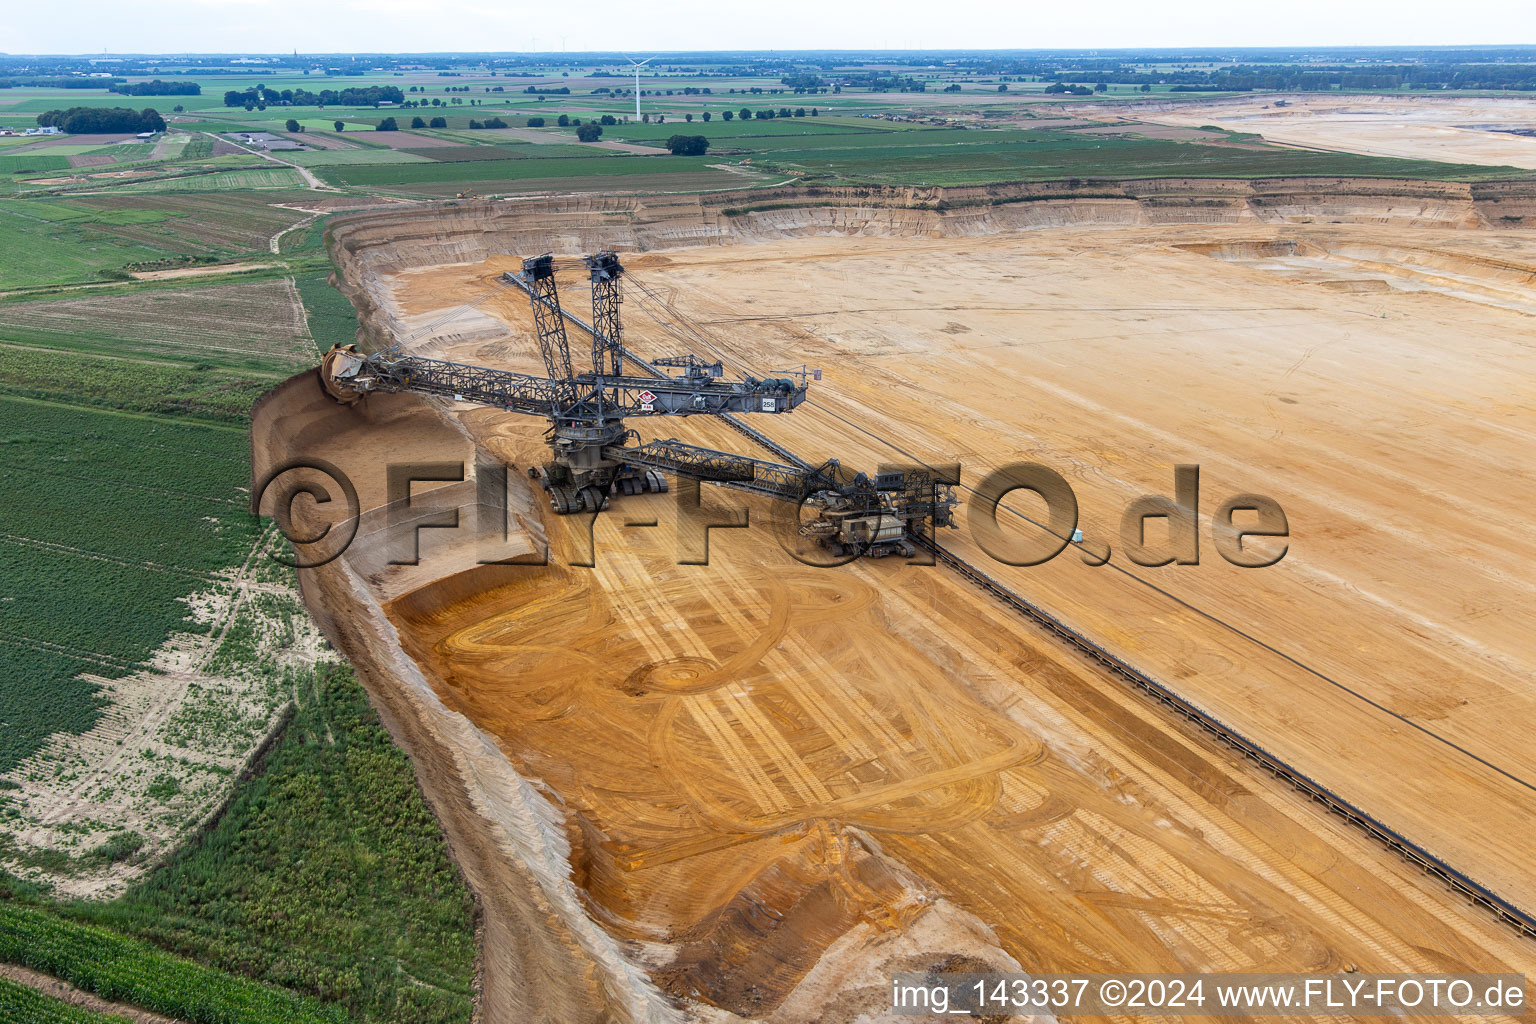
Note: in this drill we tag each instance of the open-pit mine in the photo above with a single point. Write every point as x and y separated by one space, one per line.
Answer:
695 769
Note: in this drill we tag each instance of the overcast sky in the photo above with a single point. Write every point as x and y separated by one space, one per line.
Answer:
324 26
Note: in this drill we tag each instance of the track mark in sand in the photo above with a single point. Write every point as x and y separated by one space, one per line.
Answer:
743 765
790 766
942 787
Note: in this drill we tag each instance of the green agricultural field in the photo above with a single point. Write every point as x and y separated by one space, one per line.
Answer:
47 243
320 157
255 324
57 149
686 181
750 132
511 150
122 969
1043 155
28 1006
222 224
32 163
52 241
341 890
224 181
110 519
350 125
465 154
508 172
159 389
480 136
332 320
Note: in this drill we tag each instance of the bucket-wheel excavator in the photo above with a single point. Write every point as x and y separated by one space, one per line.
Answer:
593 453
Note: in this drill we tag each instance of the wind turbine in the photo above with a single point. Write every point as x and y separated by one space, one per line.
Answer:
638 65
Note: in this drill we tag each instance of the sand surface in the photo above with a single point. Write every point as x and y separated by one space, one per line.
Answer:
1462 130
776 783
765 726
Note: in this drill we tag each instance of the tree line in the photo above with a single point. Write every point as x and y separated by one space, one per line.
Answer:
364 96
93 120
14 81
157 88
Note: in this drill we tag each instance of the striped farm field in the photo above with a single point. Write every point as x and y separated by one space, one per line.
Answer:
22 163
464 154
508 172
321 157
684 181
223 181
126 970
20 1003
257 325
59 241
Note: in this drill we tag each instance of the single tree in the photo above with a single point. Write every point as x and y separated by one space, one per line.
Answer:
589 132
688 145
339 125
564 121
728 114
607 119
438 122
688 118
799 111
1003 87
291 125
417 122
705 115
178 108
746 113
815 112
1146 88
535 122
388 125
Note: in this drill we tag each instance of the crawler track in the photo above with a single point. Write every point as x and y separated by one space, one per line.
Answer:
1474 891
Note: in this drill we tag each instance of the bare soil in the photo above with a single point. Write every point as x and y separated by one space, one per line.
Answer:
722 785
1463 130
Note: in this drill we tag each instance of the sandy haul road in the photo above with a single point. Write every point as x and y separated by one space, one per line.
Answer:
759 787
